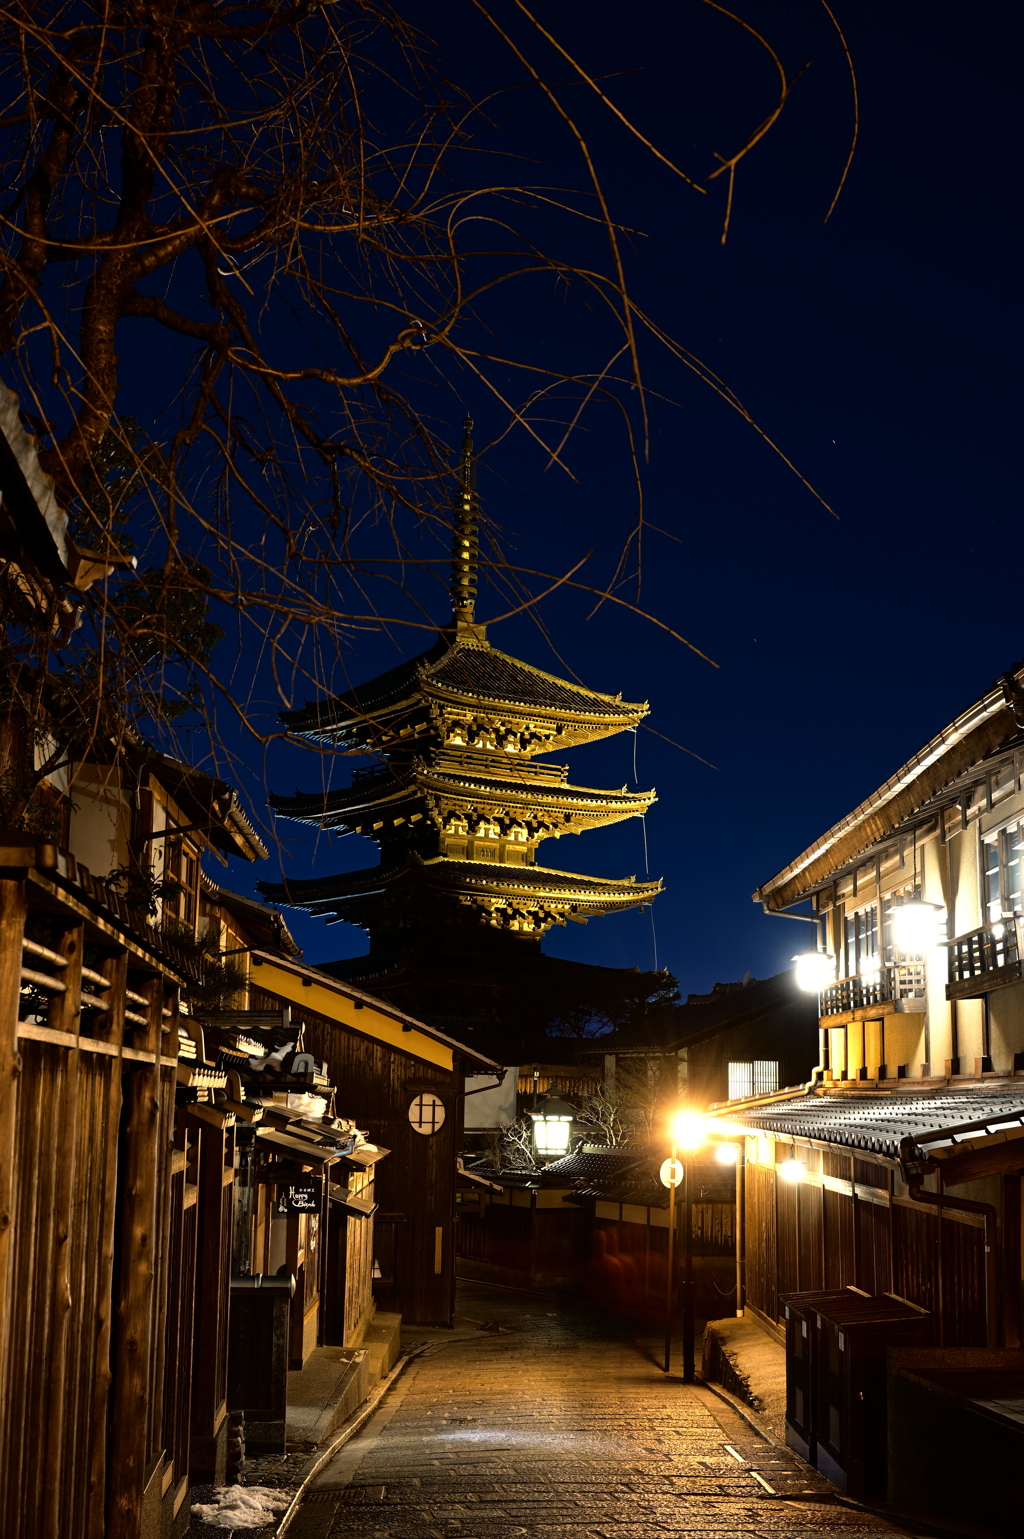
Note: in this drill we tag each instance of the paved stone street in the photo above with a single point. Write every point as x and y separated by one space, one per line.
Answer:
559 1428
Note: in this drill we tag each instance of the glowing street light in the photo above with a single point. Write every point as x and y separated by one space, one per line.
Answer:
688 1130
792 1171
814 971
727 1154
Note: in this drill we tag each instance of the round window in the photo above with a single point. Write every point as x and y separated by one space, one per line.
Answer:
427 1113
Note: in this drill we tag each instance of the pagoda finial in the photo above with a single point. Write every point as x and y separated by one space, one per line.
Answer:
465 544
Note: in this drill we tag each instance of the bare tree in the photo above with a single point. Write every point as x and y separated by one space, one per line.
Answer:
285 204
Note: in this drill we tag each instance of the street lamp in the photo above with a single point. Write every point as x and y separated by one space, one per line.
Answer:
915 927
552 1125
814 971
688 1131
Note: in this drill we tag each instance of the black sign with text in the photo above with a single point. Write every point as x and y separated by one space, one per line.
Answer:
302 1197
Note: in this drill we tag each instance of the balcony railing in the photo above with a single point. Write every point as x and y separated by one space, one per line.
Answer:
858 992
985 959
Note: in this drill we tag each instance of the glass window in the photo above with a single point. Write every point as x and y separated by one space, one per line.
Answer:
747 1079
1002 873
862 941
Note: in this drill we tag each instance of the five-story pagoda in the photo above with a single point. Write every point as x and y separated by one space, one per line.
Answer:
458 805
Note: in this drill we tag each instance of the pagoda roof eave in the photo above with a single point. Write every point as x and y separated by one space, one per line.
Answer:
470 875
351 801
468 673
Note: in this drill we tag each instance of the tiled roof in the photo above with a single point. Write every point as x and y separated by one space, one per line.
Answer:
877 1122
364 794
481 671
594 1162
464 874
475 671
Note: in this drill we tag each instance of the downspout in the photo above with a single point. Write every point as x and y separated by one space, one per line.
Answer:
913 1167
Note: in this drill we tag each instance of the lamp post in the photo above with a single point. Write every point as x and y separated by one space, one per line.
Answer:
688 1132
671 1175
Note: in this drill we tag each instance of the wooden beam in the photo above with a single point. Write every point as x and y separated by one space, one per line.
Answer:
12 930
974 1164
131 1367
65 1016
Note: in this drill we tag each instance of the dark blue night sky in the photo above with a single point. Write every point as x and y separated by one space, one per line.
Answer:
879 351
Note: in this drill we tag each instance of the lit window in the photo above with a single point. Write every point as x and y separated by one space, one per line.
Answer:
758 1078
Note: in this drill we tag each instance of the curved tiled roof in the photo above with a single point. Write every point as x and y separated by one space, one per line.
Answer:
464 874
877 1123
481 672
471 670
308 805
594 1160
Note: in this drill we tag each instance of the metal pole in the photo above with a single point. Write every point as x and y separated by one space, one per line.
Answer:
687 1278
669 1277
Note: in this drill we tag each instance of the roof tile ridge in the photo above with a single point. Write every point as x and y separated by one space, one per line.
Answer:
520 874
581 689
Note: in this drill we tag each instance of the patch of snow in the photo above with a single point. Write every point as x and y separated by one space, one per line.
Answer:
242 1507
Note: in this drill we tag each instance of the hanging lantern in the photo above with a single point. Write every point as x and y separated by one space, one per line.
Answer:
552 1126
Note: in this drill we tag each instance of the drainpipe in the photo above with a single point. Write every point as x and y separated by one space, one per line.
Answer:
913 1167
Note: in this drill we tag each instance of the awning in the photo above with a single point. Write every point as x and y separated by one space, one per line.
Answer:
310 1153
469 1180
360 1207
364 1156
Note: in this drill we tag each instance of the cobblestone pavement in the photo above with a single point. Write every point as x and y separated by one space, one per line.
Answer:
560 1428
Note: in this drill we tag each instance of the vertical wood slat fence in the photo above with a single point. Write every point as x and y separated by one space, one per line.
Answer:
809 1235
97 1229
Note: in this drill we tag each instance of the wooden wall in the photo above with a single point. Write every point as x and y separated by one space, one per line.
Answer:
415 1185
846 1225
98 1214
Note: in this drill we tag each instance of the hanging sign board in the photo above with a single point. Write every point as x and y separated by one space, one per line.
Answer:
302 1197
671 1172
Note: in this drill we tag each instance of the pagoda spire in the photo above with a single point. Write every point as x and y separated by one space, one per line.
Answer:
465 543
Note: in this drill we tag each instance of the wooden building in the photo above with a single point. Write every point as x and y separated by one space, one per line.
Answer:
912 1192
405 1082
458 803
161 1140
910 1145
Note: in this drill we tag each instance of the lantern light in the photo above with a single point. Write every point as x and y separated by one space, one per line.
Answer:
814 971
727 1154
871 970
688 1130
915 927
552 1125
791 1170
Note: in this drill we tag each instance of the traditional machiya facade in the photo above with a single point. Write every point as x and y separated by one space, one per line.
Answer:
458 805
897 1169
186 1202
945 831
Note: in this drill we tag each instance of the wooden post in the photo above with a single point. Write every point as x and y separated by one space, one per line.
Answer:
207 1460
12 932
64 1015
132 1346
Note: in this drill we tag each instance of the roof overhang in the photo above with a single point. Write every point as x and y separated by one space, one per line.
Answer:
975 733
306 988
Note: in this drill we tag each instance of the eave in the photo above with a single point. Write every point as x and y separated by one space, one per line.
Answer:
976 733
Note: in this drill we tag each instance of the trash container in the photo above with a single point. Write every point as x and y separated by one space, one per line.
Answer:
836 1396
258 1358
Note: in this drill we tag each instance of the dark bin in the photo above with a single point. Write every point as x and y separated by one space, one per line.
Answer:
258 1358
836 1394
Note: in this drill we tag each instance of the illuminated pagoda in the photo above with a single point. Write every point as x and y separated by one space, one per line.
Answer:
458 805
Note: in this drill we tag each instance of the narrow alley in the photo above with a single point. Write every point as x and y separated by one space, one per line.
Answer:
556 1427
